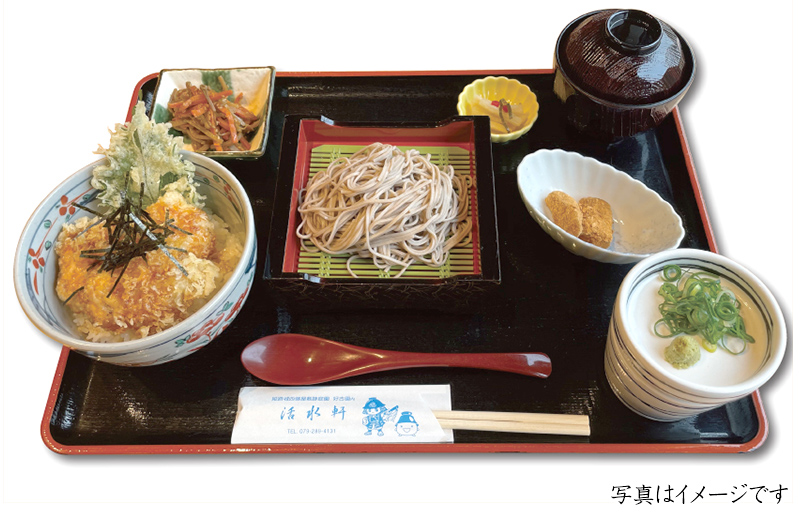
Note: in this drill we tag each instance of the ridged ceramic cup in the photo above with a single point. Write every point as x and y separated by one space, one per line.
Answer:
634 363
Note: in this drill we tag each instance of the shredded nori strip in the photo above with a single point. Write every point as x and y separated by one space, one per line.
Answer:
132 233
76 291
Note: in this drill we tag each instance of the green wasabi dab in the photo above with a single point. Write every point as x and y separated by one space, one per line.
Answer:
683 352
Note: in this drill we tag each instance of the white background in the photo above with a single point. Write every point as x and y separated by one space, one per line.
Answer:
69 69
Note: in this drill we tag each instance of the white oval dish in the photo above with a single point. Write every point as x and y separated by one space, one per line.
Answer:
644 223
35 270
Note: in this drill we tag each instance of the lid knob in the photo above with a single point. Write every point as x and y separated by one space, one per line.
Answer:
633 32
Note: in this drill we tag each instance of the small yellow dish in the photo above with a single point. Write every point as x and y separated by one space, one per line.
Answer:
483 97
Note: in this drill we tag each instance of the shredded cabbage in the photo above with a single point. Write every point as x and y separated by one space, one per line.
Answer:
143 160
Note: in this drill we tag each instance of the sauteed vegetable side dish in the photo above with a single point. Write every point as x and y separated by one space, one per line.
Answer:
154 256
211 119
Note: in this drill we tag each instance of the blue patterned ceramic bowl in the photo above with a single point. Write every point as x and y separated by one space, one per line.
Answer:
35 270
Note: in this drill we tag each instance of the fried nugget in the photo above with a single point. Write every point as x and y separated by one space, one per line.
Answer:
566 212
597 221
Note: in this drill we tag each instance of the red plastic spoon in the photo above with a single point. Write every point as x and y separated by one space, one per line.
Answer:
296 359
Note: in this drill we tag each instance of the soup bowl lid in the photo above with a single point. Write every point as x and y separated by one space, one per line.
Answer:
627 57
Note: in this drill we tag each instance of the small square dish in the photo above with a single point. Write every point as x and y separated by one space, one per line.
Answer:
312 144
247 103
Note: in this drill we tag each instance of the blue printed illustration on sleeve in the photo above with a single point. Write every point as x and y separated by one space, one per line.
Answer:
406 425
377 415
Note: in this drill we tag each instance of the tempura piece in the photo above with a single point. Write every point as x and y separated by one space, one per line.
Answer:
143 160
566 212
597 221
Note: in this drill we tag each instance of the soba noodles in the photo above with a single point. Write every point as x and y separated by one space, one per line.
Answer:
382 203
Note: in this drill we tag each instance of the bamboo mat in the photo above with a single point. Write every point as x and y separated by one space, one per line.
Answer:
463 260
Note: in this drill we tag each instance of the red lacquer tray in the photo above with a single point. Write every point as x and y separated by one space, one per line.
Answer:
189 406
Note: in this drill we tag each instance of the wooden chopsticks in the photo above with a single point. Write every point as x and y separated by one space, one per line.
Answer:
554 424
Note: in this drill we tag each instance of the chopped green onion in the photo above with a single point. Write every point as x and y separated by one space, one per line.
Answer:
701 306
672 273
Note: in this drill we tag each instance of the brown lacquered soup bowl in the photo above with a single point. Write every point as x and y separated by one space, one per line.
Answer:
620 72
